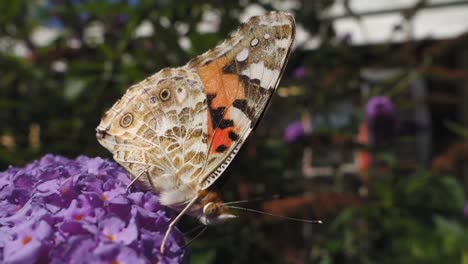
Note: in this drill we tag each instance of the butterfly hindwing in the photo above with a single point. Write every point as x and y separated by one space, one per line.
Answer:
239 78
159 126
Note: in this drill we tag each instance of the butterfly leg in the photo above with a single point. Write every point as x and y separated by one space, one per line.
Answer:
136 178
197 236
172 224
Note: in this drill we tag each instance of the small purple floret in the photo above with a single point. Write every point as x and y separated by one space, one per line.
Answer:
57 210
294 131
381 117
300 72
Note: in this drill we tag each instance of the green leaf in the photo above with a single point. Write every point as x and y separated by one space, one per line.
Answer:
457 128
450 233
10 9
205 256
465 257
388 158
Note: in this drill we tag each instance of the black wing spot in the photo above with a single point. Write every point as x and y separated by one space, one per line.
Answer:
240 104
225 123
233 136
217 115
230 68
221 148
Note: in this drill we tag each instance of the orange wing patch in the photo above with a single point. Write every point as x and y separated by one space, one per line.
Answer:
222 90
226 87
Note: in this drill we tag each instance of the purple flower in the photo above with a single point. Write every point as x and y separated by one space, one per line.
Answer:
381 117
57 210
27 241
465 210
122 19
300 72
346 39
294 131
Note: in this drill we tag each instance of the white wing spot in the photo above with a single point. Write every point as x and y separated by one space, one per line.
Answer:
282 43
243 55
266 36
274 23
254 42
261 72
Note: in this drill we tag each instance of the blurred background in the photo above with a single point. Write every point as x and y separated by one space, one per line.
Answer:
367 131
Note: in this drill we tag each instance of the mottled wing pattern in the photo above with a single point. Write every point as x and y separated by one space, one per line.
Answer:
183 126
239 77
159 126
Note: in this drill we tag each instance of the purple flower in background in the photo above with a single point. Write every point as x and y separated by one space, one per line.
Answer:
381 117
380 106
465 210
57 210
346 39
122 19
300 72
294 131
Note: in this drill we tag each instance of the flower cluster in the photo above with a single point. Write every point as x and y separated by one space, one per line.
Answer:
57 210
465 210
294 131
382 119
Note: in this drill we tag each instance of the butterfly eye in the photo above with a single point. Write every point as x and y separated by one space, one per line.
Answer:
126 120
164 94
210 209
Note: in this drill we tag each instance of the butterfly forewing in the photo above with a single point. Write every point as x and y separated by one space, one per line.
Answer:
239 78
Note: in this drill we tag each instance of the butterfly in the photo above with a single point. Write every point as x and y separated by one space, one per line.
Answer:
177 131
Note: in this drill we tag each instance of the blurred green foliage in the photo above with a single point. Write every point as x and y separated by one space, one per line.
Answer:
410 219
52 96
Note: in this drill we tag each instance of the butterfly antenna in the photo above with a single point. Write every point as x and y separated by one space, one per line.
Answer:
274 197
275 215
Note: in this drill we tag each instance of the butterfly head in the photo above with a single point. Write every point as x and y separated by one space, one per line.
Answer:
213 211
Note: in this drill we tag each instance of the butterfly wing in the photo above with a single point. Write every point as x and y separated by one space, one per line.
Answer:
159 127
239 78
183 126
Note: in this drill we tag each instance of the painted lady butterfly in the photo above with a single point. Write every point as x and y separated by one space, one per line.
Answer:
178 130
